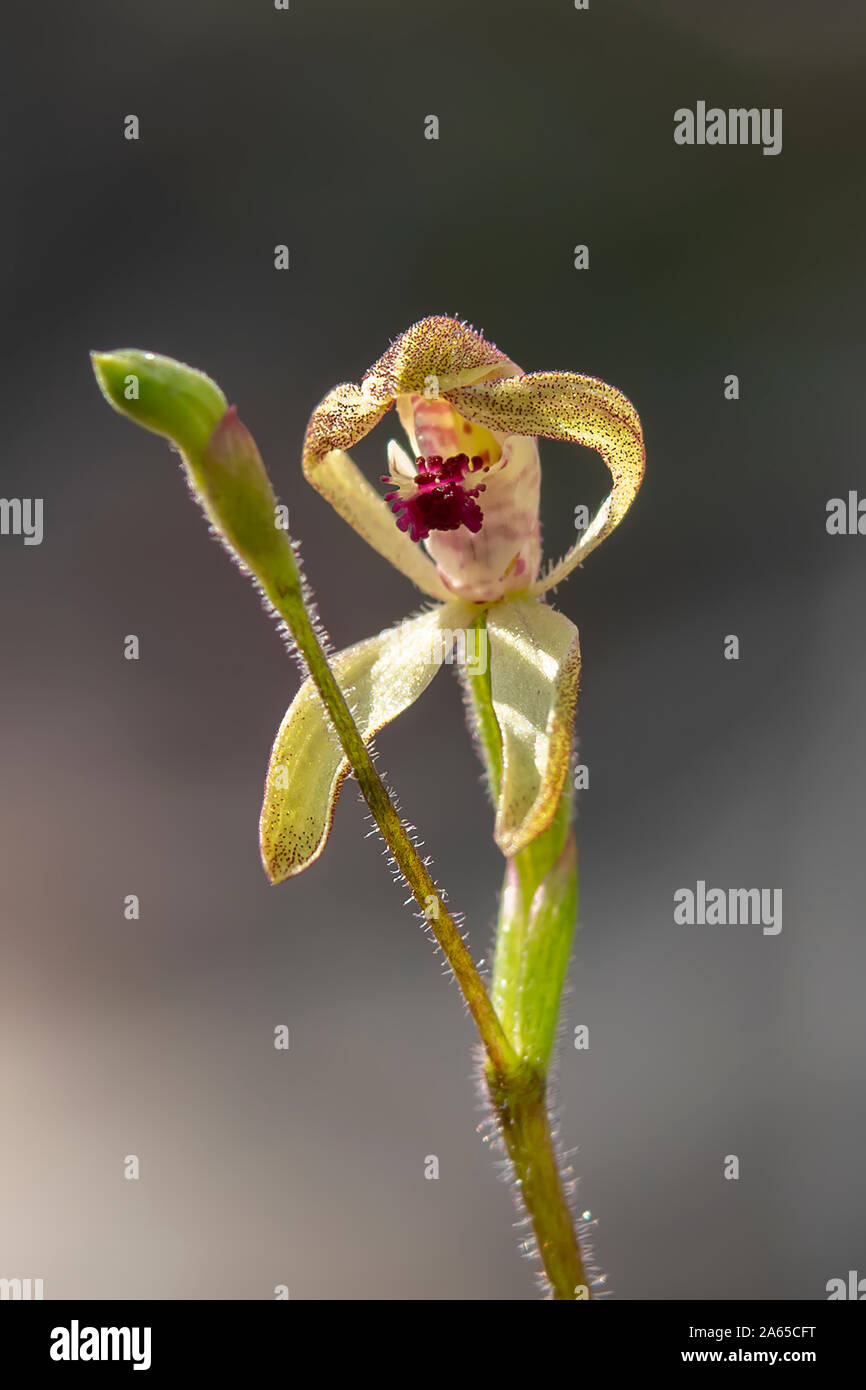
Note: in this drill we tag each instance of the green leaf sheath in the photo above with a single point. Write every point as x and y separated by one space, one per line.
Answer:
538 907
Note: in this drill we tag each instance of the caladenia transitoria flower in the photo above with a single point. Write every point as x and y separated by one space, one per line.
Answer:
459 516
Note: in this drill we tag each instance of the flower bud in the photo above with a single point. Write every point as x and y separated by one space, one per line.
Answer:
222 463
162 395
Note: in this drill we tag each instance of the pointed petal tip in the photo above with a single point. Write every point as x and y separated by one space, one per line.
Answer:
271 873
278 871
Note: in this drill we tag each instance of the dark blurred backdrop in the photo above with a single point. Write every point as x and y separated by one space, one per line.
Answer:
155 1037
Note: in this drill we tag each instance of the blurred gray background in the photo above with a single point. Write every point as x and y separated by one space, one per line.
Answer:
155 1037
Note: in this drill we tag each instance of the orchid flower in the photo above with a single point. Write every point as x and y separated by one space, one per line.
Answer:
460 519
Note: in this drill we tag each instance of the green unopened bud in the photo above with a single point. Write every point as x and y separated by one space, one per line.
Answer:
162 395
220 457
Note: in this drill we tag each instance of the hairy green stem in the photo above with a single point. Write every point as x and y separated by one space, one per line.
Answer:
520 1104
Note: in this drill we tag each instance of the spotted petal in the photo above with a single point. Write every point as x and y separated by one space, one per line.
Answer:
534 675
380 677
581 410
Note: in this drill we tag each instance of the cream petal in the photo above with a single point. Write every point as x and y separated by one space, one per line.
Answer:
435 428
406 412
534 676
380 678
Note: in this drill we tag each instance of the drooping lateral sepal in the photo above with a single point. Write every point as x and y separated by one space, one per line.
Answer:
534 677
380 678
